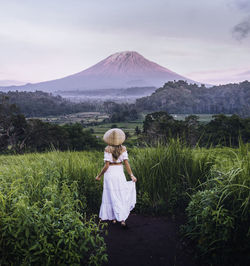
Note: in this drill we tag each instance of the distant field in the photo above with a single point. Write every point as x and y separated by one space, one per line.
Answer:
93 120
84 118
128 127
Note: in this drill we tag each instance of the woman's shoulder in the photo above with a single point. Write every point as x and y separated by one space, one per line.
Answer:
124 148
108 149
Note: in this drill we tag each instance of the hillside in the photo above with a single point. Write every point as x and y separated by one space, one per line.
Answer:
181 97
40 103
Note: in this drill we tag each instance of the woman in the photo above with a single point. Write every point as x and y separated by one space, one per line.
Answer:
119 195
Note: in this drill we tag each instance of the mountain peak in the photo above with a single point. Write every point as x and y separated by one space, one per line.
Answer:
126 63
123 58
128 68
124 54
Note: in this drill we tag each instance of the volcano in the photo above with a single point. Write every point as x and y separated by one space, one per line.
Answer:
120 70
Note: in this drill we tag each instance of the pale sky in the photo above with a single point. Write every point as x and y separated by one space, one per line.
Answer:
207 41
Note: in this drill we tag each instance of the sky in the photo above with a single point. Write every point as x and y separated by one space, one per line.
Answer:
207 41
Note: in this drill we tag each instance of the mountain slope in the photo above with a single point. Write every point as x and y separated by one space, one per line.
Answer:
120 70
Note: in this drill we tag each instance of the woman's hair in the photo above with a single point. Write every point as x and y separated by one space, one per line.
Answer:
115 150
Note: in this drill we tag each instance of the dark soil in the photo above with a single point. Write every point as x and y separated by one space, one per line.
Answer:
147 241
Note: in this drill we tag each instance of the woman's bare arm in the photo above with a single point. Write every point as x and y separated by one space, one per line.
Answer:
104 169
128 168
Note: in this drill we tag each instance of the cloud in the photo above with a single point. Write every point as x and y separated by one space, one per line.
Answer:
242 29
243 5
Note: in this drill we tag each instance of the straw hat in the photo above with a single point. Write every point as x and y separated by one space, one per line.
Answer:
114 136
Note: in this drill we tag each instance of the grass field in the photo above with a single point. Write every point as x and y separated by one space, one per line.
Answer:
84 118
128 127
44 199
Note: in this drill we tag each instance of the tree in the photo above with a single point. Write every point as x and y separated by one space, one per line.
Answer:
137 130
192 131
80 139
12 127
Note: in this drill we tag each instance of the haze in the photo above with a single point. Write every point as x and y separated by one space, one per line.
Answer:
207 41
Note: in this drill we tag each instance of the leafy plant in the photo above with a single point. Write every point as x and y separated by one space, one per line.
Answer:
42 215
167 173
218 216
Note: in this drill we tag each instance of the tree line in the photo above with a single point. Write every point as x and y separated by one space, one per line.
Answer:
174 97
120 112
38 103
18 134
179 97
160 127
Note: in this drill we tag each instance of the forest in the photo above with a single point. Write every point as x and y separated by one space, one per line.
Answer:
175 97
19 134
38 103
179 97
222 130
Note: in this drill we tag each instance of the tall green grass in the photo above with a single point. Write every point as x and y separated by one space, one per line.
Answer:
167 174
43 198
219 212
47 201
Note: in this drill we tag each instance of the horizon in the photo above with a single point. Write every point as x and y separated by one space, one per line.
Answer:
47 41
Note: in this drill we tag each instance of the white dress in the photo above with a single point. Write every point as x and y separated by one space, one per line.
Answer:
119 195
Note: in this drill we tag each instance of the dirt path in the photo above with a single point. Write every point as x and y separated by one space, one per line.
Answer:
148 241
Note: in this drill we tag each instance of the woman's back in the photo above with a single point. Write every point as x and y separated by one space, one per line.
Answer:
119 195
121 156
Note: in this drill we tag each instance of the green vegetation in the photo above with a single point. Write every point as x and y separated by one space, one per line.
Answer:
221 130
43 210
41 104
38 103
177 97
166 174
18 135
181 97
86 119
127 127
219 212
120 112
48 201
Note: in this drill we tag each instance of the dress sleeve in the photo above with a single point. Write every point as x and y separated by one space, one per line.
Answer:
107 156
125 155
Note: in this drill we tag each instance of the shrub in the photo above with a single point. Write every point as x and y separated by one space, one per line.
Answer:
41 215
218 217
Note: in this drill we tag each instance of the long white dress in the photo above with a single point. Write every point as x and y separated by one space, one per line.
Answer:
119 195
